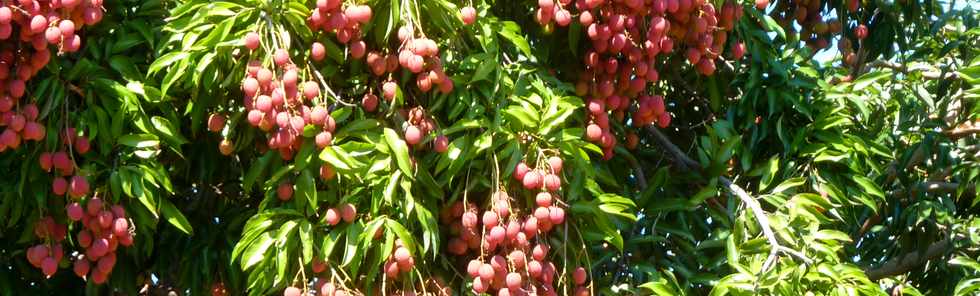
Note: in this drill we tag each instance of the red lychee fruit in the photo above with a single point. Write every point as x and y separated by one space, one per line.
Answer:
285 191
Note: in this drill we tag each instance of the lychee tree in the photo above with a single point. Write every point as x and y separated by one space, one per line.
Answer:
510 147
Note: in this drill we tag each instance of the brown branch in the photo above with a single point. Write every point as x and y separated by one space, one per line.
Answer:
870 222
927 72
686 163
963 130
935 187
683 162
641 179
908 261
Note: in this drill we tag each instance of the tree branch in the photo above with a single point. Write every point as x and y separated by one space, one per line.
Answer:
963 130
760 216
686 163
927 71
908 261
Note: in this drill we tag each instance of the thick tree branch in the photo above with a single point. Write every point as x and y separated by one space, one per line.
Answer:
686 163
641 179
908 261
965 129
683 162
935 187
928 72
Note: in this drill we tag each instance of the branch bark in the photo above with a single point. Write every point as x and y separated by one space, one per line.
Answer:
895 266
686 163
908 261
641 179
927 71
963 130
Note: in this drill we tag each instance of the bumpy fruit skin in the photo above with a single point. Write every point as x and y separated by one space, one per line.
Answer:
348 212
861 32
369 102
49 266
520 171
738 51
216 122
292 291
59 186
78 187
81 267
318 51
326 172
252 40
441 144
389 89
413 135
226 147
285 191
552 182
593 132
556 164
532 181
579 276
75 211
328 289
82 145
332 216
468 15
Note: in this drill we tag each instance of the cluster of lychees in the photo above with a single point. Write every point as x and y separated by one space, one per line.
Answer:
106 227
21 125
418 125
400 261
814 30
418 54
811 26
345 22
505 235
46 255
27 27
64 167
627 39
324 286
276 100
280 105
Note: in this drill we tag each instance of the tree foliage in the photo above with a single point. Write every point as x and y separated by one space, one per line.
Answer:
789 148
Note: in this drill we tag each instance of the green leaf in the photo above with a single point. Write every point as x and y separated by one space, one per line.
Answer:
139 141
402 234
330 155
166 60
306 191
789 183
256 251
512 32
868 186
830 234
870 78
175 217
400 150
256 169
522 116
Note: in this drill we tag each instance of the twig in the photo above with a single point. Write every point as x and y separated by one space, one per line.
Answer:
641 180
327 87
760 216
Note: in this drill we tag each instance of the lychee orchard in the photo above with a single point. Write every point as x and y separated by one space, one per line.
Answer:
489 147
